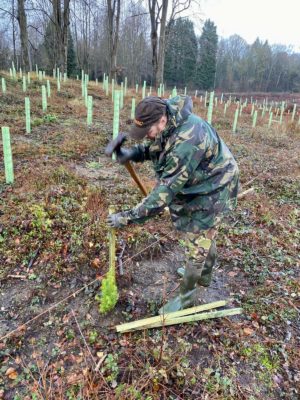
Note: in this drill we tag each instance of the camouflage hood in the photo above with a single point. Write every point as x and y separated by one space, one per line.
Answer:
179 108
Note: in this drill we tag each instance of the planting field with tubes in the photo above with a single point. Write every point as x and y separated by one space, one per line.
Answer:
56 188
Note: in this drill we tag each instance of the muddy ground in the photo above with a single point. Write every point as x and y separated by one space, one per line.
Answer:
53 243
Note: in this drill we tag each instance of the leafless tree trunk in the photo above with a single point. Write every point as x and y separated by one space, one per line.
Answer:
14 32
162 44
158 15
113 14
61 19
22 19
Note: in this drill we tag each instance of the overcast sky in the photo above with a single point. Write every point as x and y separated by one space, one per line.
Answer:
273 20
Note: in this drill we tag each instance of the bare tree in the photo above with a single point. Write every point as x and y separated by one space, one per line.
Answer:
158 11
113 19
22 19
61 20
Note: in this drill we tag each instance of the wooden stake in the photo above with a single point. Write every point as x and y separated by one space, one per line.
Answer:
166 317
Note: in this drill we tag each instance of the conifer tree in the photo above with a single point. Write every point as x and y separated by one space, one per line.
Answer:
71 59
181 53
208 46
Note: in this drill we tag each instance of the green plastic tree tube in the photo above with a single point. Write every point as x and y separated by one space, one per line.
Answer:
252 110
132 108
116 114
112 89
270 120
48 88
27 114
53 73
144 90
174 92
89 119
221 101
24 84
58 84
106 87
3 84
28 78
85 95
21 73
36 70
216 101
196 92
65 77
281 115
210 107
185 91
236 116
294 112
122 96
10 72
8 163
44 98
103 82
136 88
205 99
254 119
116 117
125 86
163 89
159 92
225 109
40 75
44 74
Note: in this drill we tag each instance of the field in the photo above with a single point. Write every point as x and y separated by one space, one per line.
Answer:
54 253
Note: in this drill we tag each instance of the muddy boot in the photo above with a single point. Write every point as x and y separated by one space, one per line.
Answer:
210 261
187 290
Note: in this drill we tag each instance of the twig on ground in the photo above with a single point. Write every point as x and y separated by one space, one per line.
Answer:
83 338
245 193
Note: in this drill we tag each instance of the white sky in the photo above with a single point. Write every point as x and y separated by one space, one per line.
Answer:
273 20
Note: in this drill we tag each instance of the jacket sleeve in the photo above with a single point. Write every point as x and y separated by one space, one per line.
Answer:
179 166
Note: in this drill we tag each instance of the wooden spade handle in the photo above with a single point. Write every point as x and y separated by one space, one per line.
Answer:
136 178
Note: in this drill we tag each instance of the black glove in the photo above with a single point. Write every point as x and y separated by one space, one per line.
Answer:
124 155
117 220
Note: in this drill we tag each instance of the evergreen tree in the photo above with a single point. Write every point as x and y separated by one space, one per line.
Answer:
71 59
208 46
181 53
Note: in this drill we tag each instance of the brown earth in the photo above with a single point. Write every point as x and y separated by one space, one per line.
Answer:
53 242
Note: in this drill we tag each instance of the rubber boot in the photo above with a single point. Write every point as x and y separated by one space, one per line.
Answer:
210 261
187 290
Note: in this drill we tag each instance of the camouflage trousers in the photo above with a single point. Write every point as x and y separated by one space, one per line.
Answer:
200 257
197 245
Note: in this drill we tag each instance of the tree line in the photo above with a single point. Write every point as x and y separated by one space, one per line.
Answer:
146 41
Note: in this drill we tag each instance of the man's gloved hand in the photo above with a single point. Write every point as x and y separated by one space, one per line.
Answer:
117 220
124 155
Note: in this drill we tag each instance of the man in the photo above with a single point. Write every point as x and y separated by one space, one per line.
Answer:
197 179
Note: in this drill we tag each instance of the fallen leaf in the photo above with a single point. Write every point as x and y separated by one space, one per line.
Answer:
248 331
95 263
11 373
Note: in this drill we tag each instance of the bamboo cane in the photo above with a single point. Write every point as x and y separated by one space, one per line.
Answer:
188 318
166 317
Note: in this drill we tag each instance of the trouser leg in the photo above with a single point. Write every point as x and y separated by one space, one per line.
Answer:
200 258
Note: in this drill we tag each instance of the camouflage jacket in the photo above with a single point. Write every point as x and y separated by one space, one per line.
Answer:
197 174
